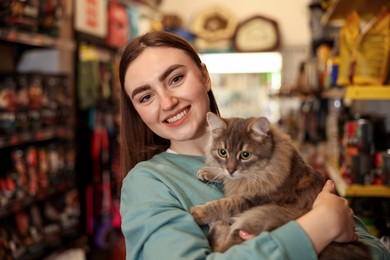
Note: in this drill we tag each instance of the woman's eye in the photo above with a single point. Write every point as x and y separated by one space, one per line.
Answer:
177 79
222 153
245 155
145 98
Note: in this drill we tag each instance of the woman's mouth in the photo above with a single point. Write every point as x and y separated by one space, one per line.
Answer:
177 117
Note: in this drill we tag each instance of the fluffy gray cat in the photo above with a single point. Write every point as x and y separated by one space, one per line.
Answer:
267 184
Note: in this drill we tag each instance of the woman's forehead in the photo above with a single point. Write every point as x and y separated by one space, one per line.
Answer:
152 62
158 58
162 51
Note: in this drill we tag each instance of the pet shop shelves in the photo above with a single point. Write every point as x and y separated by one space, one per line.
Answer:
360 93
356 190
29 137
12 206
340 9
33 39
368 92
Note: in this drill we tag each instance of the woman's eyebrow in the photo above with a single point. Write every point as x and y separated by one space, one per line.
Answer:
163 76
169 71
139 90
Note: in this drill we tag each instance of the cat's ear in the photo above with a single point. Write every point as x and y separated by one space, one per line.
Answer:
260 126
215 122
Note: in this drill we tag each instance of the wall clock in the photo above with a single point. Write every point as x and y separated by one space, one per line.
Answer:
214 24
257 33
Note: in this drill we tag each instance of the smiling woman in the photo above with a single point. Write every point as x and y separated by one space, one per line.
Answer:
142 143
169 92
165 96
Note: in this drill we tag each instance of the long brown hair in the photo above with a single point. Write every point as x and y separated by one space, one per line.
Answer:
138 143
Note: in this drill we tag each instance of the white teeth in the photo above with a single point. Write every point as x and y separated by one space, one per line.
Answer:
177 117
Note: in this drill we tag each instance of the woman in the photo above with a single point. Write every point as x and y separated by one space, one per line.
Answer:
165 94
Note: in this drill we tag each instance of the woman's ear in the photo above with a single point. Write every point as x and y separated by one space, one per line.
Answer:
206 77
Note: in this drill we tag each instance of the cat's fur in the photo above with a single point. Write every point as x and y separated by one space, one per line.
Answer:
267 184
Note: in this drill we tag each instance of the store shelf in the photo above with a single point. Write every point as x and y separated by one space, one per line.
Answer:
38 136
359 93
356 190
368 92
16 205
340 9
334 93
33 39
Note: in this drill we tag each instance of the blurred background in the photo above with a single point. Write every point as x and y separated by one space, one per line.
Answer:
319 69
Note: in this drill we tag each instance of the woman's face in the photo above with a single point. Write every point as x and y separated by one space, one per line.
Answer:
169 92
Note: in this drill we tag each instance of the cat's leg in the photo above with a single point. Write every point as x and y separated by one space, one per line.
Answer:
218 234
256 220
352 250
213 174
265 217
222 209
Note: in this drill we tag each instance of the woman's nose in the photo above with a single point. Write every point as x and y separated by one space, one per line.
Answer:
168 101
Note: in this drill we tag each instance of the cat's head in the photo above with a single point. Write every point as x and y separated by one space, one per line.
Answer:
242 147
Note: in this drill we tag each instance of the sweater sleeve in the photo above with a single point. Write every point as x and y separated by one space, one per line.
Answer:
377 249
157 226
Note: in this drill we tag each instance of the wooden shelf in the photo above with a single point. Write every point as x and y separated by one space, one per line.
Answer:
368 92
334 93
340 9
356 190
17 139
34 39
359 93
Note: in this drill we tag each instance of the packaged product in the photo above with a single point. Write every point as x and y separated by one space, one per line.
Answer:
372 51
349 34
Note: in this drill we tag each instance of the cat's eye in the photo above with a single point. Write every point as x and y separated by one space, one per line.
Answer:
222 153
245 155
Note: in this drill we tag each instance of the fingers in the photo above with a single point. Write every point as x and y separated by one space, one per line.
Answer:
351 212
329 187
245 235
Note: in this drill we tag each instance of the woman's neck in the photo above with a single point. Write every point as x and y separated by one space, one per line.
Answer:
196 147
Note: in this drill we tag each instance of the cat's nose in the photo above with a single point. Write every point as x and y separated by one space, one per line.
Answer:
231 170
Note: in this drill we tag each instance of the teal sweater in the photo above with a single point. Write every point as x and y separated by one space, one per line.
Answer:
155 200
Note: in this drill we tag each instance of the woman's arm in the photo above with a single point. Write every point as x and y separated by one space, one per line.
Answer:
156 225
378 250
331 219
339 225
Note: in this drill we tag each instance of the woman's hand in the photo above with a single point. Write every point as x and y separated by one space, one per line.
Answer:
337 208
245 235
331 219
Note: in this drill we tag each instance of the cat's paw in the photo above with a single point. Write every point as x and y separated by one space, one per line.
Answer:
218 233
204 175
199 214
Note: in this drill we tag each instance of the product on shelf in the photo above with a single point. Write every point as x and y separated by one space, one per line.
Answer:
363 152
50 105
50 14
7 105
372 51
35 95
33 105
21 14
348 36
364 50
22 98
382 167
20 168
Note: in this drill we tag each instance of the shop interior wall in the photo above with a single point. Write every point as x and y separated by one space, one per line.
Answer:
293 19
292 16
